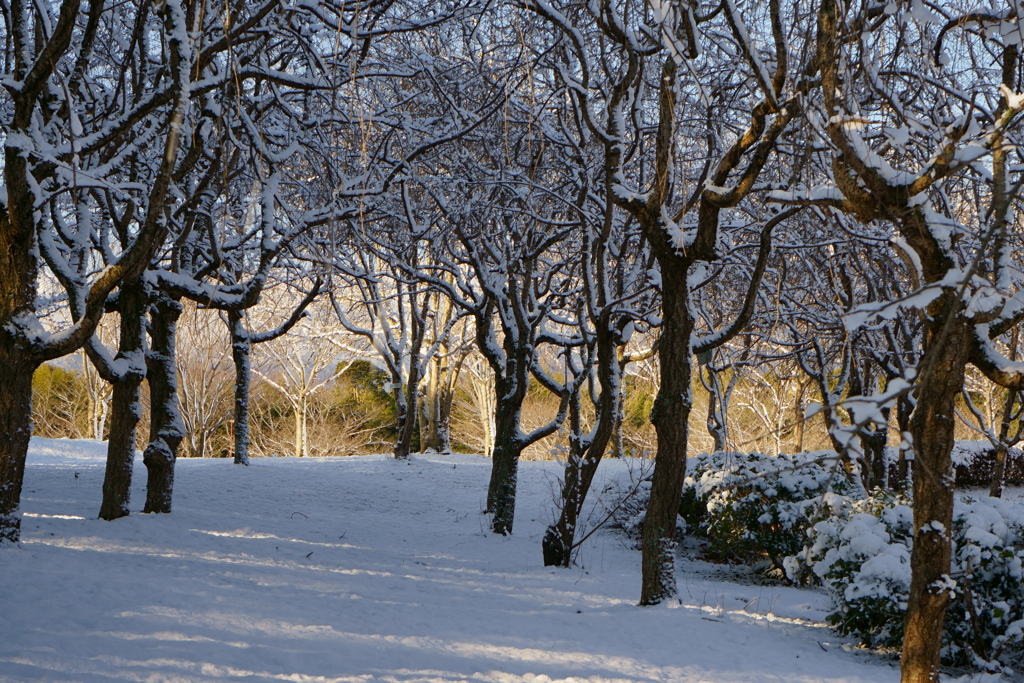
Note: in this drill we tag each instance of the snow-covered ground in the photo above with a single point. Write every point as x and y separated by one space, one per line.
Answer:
367 569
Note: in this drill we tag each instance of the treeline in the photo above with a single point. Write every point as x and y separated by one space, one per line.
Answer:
355 413
354 416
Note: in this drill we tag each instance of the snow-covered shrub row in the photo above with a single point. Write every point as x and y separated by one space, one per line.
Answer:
973 462
751 505
862 553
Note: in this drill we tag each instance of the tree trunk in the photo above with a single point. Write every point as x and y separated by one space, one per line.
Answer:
15 431
583 462
617 418
18 270
995 487
556 546
904 409
166 429
443 376
501 491
575 490
403 410
126 407
671 418
873 443
435 430
430 419
449 377
487 410
407 417
301 407
444 418
98 424
124 419
241 348
942 379
97 407
716 416
799 418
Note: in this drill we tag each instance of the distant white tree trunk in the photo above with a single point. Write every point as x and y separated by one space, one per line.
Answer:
443 373
98 399
301 406
481 386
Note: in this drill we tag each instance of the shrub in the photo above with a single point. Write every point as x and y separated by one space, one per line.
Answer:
359 401
799 512
973 462
754 506
862 554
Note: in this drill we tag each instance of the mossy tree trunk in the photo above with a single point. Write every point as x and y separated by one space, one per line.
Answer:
671 418
126 402
166 428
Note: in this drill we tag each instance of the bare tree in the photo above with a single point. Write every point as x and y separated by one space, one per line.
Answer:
912 163
299 365
55 212
628 61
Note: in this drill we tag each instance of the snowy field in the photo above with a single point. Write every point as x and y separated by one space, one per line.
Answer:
367 569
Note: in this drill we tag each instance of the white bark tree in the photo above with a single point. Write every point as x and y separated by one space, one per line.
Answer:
300 365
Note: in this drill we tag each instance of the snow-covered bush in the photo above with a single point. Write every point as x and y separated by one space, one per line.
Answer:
862 553
986 620
975 461
752 505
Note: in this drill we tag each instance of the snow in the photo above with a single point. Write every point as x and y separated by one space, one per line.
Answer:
818 193
1013 100
922 14
368 569
919 300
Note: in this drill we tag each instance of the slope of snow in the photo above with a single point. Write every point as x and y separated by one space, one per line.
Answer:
366 569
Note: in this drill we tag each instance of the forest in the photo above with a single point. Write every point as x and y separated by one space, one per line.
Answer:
782 237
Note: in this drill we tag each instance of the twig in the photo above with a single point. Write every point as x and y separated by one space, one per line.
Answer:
608 516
